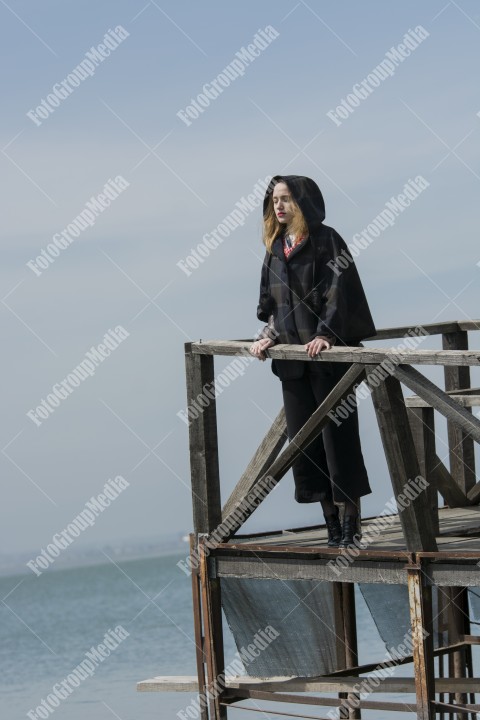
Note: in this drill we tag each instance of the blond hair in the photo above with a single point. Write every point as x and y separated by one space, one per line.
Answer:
272 227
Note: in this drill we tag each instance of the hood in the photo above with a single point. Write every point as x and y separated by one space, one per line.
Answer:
306 194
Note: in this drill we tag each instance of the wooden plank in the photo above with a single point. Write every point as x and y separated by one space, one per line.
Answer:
266 453
204 467
368 356
402 461
319 701
420 602
320 570
438 399
448 575
465 400
401 331
285 460
462 452
283 684
468 324
423 433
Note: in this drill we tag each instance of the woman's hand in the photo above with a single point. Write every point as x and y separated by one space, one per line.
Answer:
316 346
259 346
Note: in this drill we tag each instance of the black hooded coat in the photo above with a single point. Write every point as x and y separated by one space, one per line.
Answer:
308 294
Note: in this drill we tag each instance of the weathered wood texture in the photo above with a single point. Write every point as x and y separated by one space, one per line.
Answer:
367 356
420 601
207 512
439 400
212 623
188 683
204 467
423 433
402 462
462 453
266 453
447 486
466 398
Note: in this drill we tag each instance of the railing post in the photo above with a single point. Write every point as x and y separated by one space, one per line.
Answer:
462 454
423 432
415 518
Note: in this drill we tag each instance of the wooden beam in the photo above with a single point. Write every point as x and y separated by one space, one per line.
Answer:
285 460
438 399
366 356
402 461
188 683
266 453
467 398
420 601
399 332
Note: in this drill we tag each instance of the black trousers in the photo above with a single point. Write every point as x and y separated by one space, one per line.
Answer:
332 466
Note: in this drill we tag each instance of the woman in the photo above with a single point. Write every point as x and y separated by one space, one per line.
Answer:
308 298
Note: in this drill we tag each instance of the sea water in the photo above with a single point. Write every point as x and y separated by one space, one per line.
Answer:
49 623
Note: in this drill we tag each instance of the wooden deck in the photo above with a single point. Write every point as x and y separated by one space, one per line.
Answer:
459 530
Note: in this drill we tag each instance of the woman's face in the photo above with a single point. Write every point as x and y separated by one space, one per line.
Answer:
283 204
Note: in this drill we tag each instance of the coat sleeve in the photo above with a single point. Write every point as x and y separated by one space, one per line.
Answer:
344 311
265 305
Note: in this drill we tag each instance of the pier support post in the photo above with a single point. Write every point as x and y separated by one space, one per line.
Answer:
207 508
420 600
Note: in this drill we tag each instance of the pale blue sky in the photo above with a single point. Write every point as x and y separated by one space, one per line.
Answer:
183 181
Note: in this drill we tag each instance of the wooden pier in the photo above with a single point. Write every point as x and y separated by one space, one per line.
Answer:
432 551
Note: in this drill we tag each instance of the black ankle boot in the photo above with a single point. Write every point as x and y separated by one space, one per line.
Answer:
334 529
349 530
